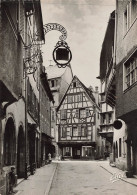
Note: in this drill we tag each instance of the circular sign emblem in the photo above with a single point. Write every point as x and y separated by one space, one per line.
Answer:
62 54
117 124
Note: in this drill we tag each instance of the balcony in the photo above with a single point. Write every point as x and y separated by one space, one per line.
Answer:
106 126
106 131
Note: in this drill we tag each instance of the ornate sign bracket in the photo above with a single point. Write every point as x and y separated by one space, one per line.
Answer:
61 54
54 26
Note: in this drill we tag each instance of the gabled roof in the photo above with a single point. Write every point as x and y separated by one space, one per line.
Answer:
88 91
54 72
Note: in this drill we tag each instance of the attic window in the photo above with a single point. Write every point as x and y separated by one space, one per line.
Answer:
74 84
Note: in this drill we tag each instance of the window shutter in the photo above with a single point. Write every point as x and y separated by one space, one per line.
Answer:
77 113
79 130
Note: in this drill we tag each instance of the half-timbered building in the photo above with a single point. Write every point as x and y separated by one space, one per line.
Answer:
76 120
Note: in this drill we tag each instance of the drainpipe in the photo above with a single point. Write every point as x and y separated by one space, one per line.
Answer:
26 127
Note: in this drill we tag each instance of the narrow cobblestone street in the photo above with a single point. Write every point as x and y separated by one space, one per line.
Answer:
86 178
77 178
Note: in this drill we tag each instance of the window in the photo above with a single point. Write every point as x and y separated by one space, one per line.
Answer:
83 131
68 132
63 114
77 113
130 14
125 21
64 132
78 98
110 118
82 113
134 10
70 98
75 131
52 132
67 151
103 119
87 112
130 72
87 151
52 83
127 17
74 85
52 115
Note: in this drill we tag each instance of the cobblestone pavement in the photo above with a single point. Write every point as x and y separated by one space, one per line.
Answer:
77 178
87 178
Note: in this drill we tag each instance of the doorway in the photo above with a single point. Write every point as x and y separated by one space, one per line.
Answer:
76 152
21 154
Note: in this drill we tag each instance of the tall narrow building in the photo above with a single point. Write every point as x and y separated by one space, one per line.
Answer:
78 122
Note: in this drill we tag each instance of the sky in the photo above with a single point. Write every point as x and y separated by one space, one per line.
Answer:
86 22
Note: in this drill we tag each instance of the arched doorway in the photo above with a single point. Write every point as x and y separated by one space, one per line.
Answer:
21 153
9 143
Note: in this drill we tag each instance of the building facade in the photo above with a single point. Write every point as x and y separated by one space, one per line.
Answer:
77 119
126 74
108 86
59 80
19 99
32 63
45 117
120 79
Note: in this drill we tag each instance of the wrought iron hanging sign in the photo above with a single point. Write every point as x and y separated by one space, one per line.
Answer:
61 54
